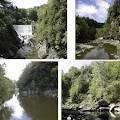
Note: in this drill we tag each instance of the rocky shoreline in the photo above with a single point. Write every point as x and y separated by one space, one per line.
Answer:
99 106
80 111
110 47
47 93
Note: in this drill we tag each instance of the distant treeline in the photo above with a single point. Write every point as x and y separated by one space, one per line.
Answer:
86 29
39 76
91 83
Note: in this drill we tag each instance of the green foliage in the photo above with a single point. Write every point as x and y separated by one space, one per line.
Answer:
25 16
77 83
39 76
114 11
6 86
9 42
86 29
103 31
99 80
52 26
110 30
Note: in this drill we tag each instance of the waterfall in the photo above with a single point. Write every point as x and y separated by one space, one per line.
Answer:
24 32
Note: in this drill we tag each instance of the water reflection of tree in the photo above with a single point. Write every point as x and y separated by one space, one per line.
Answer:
39 107
5 113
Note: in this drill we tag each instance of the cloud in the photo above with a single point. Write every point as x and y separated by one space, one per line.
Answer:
96 10
28 3
87 11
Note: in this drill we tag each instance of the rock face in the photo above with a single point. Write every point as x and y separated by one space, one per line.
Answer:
46 51
52 54
42 50
115 28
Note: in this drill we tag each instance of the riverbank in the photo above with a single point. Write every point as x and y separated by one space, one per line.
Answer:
78 112
99 49
30 108
47 93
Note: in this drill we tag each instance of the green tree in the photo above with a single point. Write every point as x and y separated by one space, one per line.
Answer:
6 86
39 76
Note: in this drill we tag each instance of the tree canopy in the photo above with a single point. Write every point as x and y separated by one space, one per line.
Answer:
39 76
86 29
9 42
6 86
99 80
52 25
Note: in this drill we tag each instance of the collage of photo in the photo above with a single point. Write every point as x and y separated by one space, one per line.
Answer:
59 60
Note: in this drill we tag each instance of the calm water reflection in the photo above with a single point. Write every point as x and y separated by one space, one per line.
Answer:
97 53
30 108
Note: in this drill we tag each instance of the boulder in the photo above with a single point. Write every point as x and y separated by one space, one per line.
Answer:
52 54
42 50
102 104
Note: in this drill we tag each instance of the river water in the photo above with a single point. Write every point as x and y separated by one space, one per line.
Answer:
92 116
29 108
104 51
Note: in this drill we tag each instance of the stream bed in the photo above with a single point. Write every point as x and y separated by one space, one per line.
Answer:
101 51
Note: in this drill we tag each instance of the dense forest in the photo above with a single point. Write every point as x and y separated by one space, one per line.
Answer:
6 86
39 77
9 42
91 83
52 26
49 22
88 29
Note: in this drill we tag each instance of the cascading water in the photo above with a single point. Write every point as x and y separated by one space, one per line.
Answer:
25 33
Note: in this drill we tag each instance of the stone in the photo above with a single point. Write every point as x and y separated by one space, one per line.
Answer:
102 103
52 54
42 50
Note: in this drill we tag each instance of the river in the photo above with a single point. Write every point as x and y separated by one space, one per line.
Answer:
92 116
29 108
103 51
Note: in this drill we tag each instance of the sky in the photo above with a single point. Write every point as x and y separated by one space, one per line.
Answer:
14 68
28 3
95 9
66 65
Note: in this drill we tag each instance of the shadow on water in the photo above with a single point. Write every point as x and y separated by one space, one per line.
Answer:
30 108
40 107
103 51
